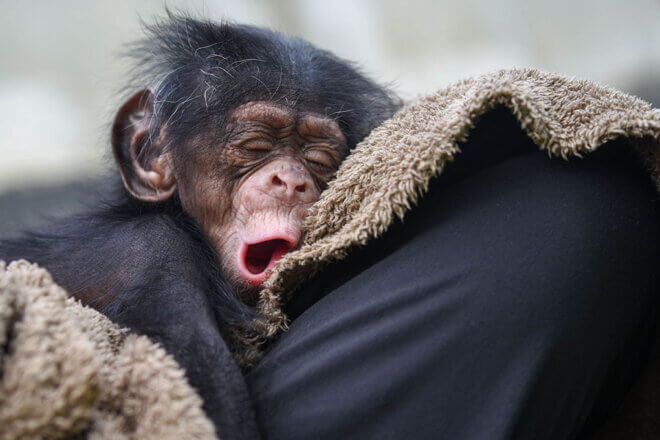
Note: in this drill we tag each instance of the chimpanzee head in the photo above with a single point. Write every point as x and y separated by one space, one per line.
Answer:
242 128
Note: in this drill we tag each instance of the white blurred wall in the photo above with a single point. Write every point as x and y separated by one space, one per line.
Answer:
60 70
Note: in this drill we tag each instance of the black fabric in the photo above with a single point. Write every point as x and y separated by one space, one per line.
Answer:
516 301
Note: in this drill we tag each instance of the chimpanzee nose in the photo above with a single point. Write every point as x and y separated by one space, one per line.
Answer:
291 182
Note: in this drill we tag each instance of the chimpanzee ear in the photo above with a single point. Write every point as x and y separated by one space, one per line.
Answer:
145 169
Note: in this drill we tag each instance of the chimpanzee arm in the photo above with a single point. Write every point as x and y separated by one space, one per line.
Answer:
150 274
179 316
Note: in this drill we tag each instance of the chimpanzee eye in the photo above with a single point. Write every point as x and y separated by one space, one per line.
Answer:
321 160
258 146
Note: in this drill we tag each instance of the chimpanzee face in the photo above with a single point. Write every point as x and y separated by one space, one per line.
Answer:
243 128
252 191
248 184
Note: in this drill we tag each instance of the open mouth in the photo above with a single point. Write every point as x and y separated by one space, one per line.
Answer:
257 258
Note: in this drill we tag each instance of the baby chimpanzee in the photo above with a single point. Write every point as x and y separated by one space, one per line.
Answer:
233 134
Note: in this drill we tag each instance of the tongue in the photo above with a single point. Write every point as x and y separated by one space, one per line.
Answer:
260 256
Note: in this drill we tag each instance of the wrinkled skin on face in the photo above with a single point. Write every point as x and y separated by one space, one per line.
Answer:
251 194
247 181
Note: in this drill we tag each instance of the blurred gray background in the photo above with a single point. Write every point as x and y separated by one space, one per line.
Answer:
60 69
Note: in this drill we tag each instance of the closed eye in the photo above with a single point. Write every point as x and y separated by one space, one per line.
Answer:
258 146
322 159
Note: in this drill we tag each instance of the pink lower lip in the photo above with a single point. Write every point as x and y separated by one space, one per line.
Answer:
255 279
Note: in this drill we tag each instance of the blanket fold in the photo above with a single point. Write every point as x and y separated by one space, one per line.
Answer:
66 370
390 170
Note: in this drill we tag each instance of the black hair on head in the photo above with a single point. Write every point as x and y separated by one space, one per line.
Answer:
199 70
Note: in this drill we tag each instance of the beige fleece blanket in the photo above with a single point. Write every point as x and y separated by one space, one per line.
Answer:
66 370
390 170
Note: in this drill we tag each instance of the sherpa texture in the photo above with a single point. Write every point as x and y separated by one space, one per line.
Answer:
387 173
66 370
